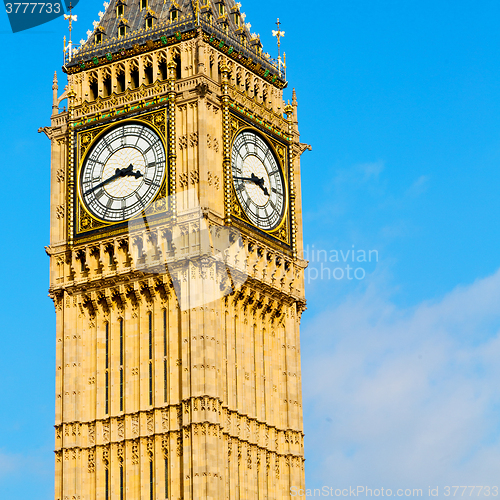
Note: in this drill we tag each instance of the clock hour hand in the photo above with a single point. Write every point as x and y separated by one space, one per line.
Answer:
130 172
259 181
119 172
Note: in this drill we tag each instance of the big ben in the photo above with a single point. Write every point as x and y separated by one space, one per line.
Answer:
175 238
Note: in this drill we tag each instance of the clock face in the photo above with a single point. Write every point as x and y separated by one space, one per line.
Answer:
123 172
258 181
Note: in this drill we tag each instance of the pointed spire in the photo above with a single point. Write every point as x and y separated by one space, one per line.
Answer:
295 105
55 87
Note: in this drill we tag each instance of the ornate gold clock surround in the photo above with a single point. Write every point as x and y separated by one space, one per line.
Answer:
280 149
88 227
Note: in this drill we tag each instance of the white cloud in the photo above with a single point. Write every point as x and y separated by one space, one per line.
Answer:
9 463
371 170
357 175
405 397
419 186
35 462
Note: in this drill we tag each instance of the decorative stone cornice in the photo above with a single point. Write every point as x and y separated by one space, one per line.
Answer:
195 415
268 272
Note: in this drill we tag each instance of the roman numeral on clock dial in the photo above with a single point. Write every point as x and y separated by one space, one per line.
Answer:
123 172
258 181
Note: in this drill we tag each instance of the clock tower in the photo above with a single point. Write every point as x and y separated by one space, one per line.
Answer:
175 238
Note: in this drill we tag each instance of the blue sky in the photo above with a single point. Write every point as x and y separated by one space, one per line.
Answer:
400 101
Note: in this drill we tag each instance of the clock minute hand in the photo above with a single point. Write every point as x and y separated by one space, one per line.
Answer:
244 179
117 174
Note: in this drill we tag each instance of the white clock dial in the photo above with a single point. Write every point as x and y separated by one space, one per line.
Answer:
258 181
123 172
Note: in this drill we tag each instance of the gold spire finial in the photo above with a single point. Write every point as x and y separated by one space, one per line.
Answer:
197 11
278 34
69 17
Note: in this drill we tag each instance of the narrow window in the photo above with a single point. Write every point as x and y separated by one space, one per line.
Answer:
121 341
106 370
163 70
149 23
173 15
122 492
144 4
165 386
119 11
106 486
120 79
148 73
164 332
121 389
177 60
121 364
166 478
107 86
222 9
134 76
150 330
151 481
121 31
150 320
236 19
107 346
107 393
98 38
150 384
210 18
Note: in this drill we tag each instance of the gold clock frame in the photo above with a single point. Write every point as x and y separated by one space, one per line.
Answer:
86 224
282 232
